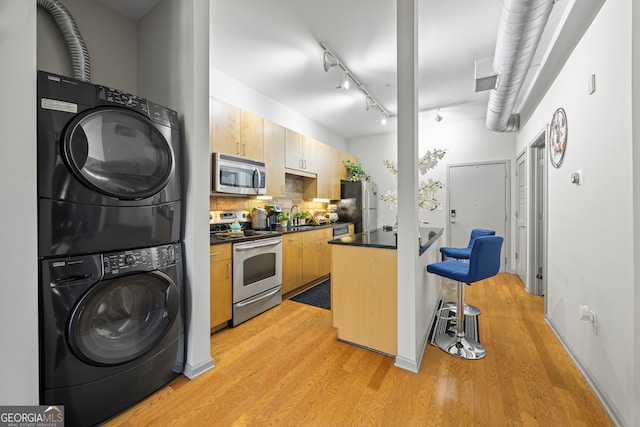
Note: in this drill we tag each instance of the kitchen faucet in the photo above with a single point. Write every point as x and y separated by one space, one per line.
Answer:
294 221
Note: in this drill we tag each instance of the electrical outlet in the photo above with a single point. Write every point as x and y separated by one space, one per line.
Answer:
588 315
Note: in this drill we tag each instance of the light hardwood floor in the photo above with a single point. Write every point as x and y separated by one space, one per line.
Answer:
285 368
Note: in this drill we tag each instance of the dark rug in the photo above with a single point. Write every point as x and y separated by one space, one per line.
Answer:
318 296
443 326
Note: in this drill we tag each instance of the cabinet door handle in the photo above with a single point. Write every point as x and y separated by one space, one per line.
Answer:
300 251
244 149
228 270
300 164
214 254
304 162
237 148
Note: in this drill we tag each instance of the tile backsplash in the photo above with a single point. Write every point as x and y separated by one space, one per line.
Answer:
294 188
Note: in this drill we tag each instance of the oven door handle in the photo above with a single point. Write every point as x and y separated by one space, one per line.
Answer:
261 297
247 246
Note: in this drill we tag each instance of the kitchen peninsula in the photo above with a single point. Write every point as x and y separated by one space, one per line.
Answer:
364 291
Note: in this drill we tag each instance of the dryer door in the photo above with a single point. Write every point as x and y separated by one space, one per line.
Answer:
121 319
118 152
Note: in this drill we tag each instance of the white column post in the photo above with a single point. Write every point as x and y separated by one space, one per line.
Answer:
407 32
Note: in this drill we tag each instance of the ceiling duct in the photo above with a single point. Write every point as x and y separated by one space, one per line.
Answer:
75 43
522 23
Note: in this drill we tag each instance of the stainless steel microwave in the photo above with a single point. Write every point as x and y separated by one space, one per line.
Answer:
238 175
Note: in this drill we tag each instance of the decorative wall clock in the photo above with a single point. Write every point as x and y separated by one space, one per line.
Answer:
558 137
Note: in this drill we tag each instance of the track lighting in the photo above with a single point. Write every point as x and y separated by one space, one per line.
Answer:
344 84
438 116
369 102
331 60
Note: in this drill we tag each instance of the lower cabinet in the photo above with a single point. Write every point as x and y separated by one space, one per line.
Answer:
291 261
306 257
220 284
316 255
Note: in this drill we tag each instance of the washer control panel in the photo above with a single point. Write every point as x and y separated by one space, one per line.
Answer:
147 259
106 95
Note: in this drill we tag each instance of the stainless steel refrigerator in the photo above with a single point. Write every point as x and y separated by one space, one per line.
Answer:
358 204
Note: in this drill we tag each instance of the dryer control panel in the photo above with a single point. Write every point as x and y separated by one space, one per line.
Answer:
136 260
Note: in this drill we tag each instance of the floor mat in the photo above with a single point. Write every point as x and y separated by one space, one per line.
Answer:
444 326
318 296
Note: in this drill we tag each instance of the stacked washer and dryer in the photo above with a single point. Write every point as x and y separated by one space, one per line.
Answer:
109 245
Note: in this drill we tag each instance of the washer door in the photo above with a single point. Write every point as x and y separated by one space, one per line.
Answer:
121 319
117 152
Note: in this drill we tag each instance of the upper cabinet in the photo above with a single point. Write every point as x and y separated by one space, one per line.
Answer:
240 133
274 158
236 132
329 173
301 153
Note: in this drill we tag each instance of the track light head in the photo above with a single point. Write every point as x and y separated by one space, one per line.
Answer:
369 102
383 119
438 116
344 84
329 61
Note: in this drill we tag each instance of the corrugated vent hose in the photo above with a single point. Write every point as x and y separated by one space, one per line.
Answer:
75 43
522 23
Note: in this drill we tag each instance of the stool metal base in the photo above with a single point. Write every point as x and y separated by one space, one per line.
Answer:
469 310
461 347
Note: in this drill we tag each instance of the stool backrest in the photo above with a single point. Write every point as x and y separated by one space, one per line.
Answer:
484 261
479 232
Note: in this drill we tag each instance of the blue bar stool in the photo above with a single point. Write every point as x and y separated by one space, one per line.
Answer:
464 253
484 262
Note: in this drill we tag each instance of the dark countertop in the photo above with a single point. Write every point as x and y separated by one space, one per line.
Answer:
215 239
379 238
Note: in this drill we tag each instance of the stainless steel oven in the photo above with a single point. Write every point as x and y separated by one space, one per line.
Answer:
257 277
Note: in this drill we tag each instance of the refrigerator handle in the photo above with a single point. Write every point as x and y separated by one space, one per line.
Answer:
365 216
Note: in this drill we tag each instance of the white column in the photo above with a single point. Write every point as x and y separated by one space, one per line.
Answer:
635 132
407 29
19 223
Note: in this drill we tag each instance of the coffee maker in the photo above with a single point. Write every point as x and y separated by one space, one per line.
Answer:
273 211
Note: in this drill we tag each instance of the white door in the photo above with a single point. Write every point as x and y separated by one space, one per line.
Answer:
477 198
521 220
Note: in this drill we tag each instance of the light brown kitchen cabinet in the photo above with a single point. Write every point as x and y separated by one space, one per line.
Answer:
291 262
316 254
225 128
274 136
300 153
330 171
251 136
306 257
220 285
236 132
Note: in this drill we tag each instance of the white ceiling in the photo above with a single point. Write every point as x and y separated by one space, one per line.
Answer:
273 47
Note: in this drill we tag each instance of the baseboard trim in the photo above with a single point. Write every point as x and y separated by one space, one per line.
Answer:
613 412
407 364
191 371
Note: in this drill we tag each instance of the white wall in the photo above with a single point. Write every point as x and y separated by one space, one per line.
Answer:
110 39
590 239
230 90
173 69
466 141
18 221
